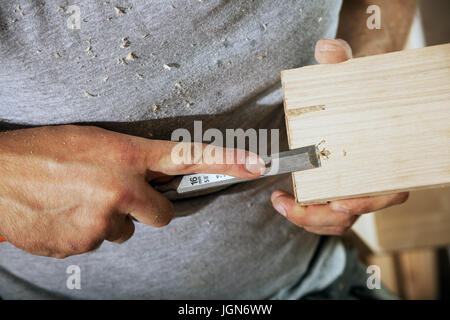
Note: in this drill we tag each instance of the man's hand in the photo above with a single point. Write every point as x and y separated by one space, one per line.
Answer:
336 217
66 189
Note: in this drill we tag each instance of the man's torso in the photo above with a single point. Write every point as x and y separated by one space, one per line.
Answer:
214 61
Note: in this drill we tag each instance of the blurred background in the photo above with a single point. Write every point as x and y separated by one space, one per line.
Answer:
411 243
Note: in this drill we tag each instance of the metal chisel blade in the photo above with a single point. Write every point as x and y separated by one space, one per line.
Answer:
293 160
289 161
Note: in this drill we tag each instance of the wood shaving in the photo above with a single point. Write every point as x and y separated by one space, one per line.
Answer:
169 66
155 108
119 11
145 36
105 79
125 43
57 55
121 61
89 95
324 153
140 76
261 57
131 56
321 142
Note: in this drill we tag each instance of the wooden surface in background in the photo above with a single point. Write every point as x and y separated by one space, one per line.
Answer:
422 221
389 271
419 274
409 274
382 123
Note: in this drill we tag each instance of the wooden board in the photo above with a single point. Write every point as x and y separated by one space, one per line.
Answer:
423 221
410 274
419 274
382 122
389 271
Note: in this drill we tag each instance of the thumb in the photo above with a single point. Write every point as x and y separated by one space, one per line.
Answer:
332 51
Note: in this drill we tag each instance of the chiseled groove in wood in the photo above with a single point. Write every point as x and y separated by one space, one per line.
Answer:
409 128
349 105
347 124
294 112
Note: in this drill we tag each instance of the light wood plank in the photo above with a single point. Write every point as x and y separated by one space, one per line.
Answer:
382 122
418 272
423 221
389 272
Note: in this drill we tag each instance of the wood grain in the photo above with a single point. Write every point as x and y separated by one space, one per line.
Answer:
389 271
419 275
382 122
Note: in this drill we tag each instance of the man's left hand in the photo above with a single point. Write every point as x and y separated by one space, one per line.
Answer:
336 217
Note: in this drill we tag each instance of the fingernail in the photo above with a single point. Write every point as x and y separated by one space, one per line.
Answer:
255 164
339 208
281 209
330 45
328 48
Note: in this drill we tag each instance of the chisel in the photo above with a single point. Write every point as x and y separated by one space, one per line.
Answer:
198 184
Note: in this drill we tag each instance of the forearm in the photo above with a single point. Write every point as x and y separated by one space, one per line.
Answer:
396 19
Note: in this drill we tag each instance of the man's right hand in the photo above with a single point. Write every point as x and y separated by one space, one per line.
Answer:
66 189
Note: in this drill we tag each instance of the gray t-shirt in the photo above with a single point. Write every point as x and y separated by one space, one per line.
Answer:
218 61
